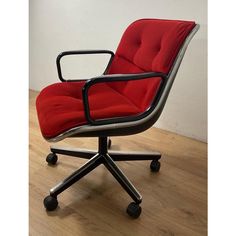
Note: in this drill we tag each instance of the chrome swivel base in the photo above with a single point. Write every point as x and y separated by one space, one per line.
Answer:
107 158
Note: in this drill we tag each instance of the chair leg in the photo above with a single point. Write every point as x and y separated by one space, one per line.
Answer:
122 179
77 175
134 156
115 155
75 152
50 202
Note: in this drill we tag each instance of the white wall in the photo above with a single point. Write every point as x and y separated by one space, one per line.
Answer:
59 25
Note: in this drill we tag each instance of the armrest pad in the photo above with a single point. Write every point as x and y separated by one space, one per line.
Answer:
79 52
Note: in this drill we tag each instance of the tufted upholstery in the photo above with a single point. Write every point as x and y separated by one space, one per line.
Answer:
150 45
147 45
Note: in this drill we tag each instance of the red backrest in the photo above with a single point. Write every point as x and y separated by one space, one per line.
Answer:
147 45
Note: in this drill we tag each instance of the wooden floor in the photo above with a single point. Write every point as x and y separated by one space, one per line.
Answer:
174 200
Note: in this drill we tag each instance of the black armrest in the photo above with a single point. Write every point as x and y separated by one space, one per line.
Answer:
112 78
78 53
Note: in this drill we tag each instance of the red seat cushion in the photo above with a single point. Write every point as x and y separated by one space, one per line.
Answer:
147 45
60 106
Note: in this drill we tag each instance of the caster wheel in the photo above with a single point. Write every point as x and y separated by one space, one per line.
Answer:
134 210
51 158
109 143
155 166
50 203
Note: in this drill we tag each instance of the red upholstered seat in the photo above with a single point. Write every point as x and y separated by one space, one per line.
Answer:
147 45
60 106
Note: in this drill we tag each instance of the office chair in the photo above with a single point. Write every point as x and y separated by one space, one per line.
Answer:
126 99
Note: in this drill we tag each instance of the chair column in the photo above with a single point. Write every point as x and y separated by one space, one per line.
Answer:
102 145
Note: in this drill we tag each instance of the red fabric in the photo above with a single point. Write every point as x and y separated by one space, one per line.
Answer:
150 45
147 45
60 106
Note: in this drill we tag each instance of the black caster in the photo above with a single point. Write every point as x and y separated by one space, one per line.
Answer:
155 166
51 158
134 210
108 143
50 203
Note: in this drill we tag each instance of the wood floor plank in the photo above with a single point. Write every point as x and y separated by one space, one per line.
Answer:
174 200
